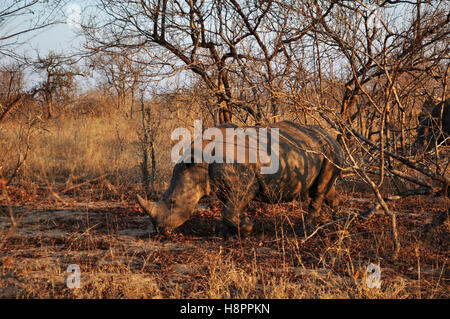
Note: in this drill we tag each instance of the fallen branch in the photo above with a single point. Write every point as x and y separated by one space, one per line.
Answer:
363 214
410 178
82 184
418 167
374 209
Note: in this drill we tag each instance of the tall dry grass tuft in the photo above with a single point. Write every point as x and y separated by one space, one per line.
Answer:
75 148
86 149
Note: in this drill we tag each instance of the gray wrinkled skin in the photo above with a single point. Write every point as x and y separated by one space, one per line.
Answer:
309 163
429 122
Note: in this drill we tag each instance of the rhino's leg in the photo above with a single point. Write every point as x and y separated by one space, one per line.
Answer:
236 186
322 188
332 198
234 219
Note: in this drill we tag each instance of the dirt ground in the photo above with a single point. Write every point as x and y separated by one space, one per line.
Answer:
119 257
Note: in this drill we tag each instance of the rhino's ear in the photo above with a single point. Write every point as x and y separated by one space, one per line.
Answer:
147 206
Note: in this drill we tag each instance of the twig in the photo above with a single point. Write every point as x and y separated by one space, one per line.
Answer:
84 183
367 213
19 165
409 178
415 166
364 215
14 222
418 167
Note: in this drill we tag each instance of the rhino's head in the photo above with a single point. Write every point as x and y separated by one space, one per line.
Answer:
189 183
434 125
424 132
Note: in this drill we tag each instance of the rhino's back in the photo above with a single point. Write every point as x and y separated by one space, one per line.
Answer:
302 150
436 113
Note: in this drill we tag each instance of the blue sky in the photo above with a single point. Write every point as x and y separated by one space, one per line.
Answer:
59 38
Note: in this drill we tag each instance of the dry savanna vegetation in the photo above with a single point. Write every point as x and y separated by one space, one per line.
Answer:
77 145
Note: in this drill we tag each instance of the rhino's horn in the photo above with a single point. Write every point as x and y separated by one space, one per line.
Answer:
148 207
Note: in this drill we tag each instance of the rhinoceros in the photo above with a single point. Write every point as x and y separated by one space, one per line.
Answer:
430 129
310 160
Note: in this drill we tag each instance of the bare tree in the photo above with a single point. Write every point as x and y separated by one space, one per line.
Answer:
12 96
19 19
11 81
122 72
147 148
58 78
218 40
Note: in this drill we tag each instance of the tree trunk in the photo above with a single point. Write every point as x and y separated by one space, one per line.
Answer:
48 98
347 104
224 112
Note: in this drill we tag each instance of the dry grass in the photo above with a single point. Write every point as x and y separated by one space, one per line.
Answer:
98 226
120 259
78 148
